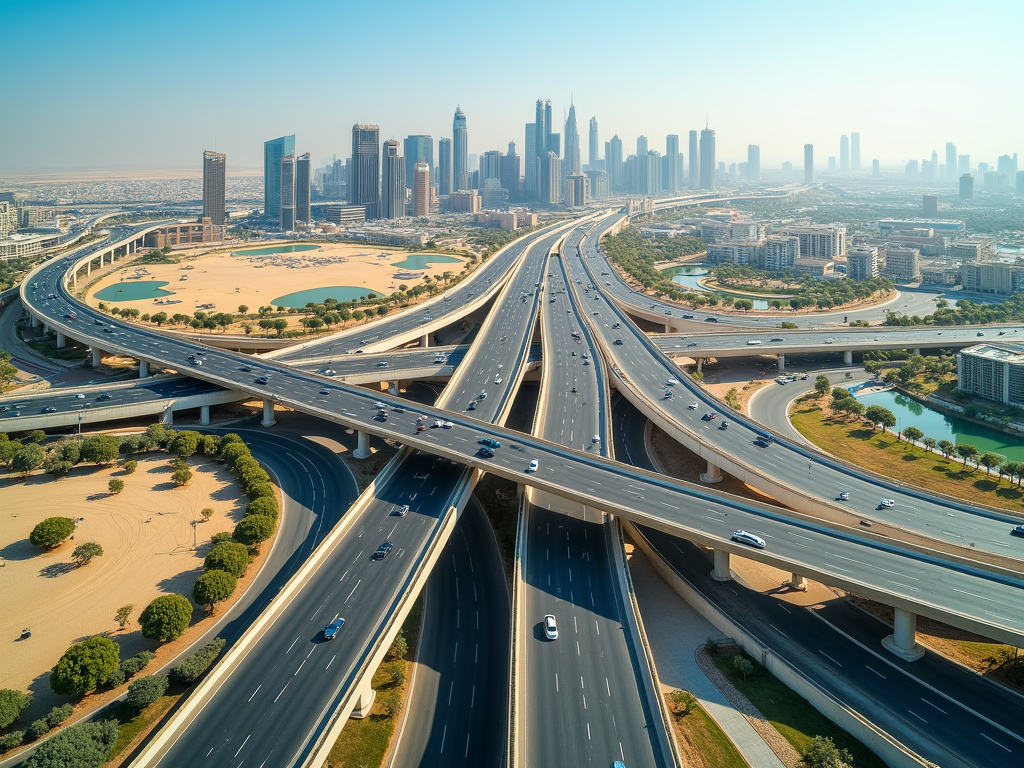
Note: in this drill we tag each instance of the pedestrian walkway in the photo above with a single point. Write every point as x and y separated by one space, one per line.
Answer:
675 631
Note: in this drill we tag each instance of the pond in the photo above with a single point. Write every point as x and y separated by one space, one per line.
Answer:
133 290
318 295
909 412
416 261
276 249
688 277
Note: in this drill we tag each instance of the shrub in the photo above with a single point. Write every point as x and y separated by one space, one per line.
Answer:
209 445
683 700
86 745
101 449
37 436
85 666
254 530
166 618
38 729
116 485
390 702
12 704
117 678
84 553
399 648
54 465
742 665
131 666
51 532
193 667
11 740
59 714
220 538
265 505
230 438
27 459
395 670
123 614
129 467
137 444
711 646
229 556
67 450
159 434
233 452
181 476
185 443
823 753
213 587
261 491
146 690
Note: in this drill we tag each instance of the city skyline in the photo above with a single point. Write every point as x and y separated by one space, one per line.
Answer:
35 142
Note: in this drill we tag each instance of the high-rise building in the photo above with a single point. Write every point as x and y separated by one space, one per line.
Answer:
808 163
593 159
707 160
831 165
531 162
613 163
214 186
460 152
963 164
490 165
930 205
753 162
1008 165
287 204
844 153
421 189
911 170
670 179
576 190
966 187
572 165
417 148
444 165
641 146
551 178
862 262
392 182
855 151
303 186
951 170
553 141
876 169
694 162
364 186
510 172
273 152
1019 188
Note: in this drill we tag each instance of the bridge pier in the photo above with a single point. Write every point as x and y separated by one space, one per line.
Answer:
62 340
143 369
204 415
782 363
425 340
35 321
848 357
797 582
700 364
721 570
88 267
713 475
97 357
668 328
903 640
393 388
167 417
917 351
362 450
268 413
75 277
364 701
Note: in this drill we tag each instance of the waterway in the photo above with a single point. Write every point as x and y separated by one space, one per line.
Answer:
689 278
133 290
416 261
935 424
319 295
276 249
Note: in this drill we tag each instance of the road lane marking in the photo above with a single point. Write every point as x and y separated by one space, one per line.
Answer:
829 658
556 682
443 734
450 691
256 691
778 630
330 662
784 608
292 645
282 691
350 593
934 705
917 716
243 744
995 742
877 672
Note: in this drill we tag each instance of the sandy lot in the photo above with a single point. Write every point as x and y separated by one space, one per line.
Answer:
227 281
147 540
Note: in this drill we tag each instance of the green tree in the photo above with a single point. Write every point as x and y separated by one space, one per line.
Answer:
229 556
27 459
206 513
967 452
822 386
12 704
745 304
37 436
243 309
52 531
390 702
129 467
213 587
55 466
264 505
8 372
946 447
101 449
879 415
116 485
84 553
8 449
990 460
209 445
181 476
146 690
58 715
159 318
929 443
85 666
743 665
123 615
823 753
68 450
399 647
185 443
38 729
86 745
254 530
912 434
166 617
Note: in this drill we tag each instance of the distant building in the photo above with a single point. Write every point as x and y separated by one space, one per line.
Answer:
418 148
303 187
421 189
392 182
444 166
970 249
550 179
576 192
506 221
911 171
819 242
993 277
903 265
572 165
613 164
855 151
1020 184
694 162
600 185
780 252
813 267
287 207
8 219
862 262
364 186
930 205
940 273
493 196
831 165
844 153
951 169
593 159
345 214
739 253
464 201
753 162
994 371
944 226
876 169
670 179
214 186
707 160
273 152
808 163
510 173
460 151
193 232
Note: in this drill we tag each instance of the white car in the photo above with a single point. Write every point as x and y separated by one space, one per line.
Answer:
844 495
448 425
497 379
672 382
533 466
743 537
438 423
693 405
550 627
79 396
379 406
888 503
328 371
595 439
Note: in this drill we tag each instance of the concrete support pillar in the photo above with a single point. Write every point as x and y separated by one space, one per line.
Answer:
713 475
721 570
362 450
782 363
393 388
46 328
797 582
848 357
425 340
668 328
168 417
903 640
700 364
35 321
364 701
268 413
76 279
88 267
62 340
143 369
917 351
97 357
204 415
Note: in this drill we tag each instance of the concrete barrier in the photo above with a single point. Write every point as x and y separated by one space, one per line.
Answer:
514 710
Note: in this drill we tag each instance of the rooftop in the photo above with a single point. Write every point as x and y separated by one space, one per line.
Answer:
1013 353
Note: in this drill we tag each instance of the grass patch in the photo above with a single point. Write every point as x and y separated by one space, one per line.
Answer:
131 723
702 742
732 399
792 715
879 452
499 499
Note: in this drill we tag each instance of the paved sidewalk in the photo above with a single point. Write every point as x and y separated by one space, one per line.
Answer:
675 632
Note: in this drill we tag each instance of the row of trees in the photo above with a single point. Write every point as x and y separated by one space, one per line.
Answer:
636 256
966 312
810 292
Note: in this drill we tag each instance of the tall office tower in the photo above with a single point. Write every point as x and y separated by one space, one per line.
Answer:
670 179
694 162
287 204
808 163
364 185
392 182
490 165
844 153
551 179
444 164
530 160
951 160
510 172
460 152
707 160
594 160
1008 165
935 165
273 152
911 171
963 163
855 151
421 189
303 180
641 146
540 147
876 169
417 148
572 166
753 162
613 162
966 187
214 186
552 143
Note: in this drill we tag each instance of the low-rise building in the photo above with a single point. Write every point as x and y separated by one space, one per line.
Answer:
992 371
819 242
780 252
499 219
814 267
466 201
185 233
943 273
345 214
968 249
993 277
735 253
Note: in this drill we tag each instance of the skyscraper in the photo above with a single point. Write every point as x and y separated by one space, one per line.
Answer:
844 153
594 160
553 141
855 151
707 159
287 204
613 162
444 165
531 162
572 166
510 172
670 179
490 165
392 182
951 167
303 179
551 179
214 186
694 162
641 146
417 148
966 187
753 162
364 186
421 189
808 163
460 152
273 152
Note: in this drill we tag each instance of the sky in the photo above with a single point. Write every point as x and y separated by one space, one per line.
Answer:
106 84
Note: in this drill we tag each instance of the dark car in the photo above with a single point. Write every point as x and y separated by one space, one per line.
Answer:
710 319
490 442
382 551
687 317
331 630
1017 530
104 396
618 342
486 452
262 380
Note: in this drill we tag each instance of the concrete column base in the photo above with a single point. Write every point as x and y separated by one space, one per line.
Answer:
721 570
268 414
700 364
143 369
364 703
88 268
97 358
713 475
782 363
917 352
425 340
35 321
62 340
393 388
362 450
848 357
797 582
168 417
204 415
903 640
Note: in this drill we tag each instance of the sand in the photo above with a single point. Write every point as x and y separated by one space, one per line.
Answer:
147 540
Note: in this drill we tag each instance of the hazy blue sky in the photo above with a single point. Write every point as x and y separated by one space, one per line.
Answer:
109 84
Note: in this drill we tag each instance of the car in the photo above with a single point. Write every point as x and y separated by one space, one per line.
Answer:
694 405
379 405
776 338
246 368
260 380
579 341
764 439
49 409
710 319
586 362
4 408
574 353
830 341
52 296
447 425
533 465
382 551
70 315
672 381
382 364
668 394
200 362
482 395
78 396
490 442
109 329
438 423
743 537
1017 530
104 396
15 413
844 495
595 439
325 391
331 630
420 427
550 627
497 379
328 371
724 425
754 342
981 333
709 417
692 344
400 511
486 452
687 317
472 406
616 325
382 417
618 342
584 355
887 503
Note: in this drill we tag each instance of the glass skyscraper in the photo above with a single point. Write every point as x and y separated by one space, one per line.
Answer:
460 152
274 152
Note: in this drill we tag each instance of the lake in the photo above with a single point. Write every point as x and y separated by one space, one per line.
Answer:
318 295
276 249
688 277
133 290
416 261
